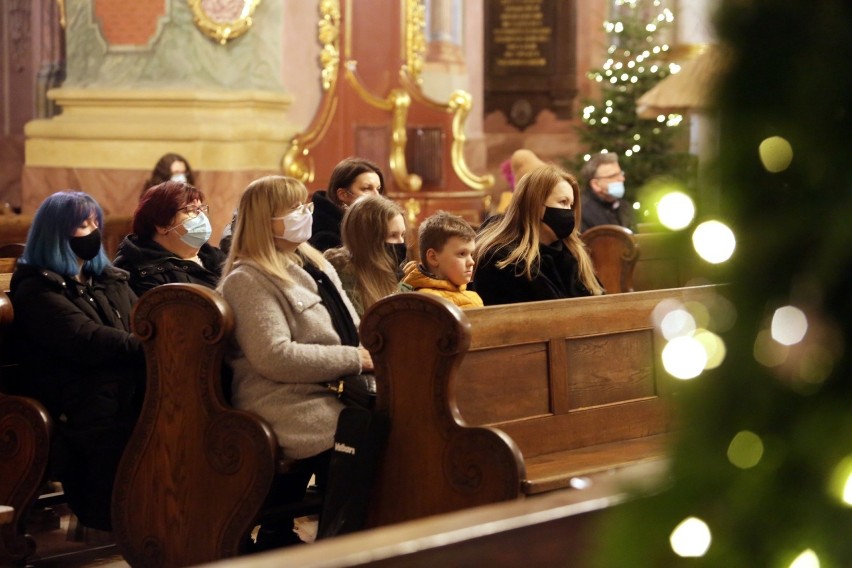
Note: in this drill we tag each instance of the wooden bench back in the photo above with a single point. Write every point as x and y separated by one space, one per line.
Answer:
614 254
14 229
432 463
196 471
25 430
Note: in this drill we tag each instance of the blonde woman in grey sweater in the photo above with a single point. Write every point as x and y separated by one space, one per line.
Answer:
295 328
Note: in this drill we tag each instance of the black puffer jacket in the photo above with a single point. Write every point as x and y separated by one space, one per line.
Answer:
80 360
325 231
150 265
557 276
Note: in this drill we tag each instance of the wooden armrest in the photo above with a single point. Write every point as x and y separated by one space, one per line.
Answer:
6 514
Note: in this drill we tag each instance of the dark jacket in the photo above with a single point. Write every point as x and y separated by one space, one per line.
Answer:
557 276
325 231
598 212
80 360
150 265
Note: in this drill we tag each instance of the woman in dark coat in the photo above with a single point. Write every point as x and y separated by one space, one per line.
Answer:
169 240
534 251
350 179
78 357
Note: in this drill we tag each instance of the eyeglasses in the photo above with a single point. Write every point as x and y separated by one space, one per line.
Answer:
193 210
616 174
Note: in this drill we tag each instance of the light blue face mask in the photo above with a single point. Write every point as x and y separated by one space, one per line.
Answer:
616 189
198 231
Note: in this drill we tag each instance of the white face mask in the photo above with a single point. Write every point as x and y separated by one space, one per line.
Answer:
297 224
179 177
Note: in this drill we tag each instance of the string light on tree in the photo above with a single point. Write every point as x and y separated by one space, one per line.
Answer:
633 65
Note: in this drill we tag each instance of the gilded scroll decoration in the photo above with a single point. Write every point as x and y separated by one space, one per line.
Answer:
329 39
415 38
223 21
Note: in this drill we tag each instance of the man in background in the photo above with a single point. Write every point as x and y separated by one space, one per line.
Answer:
603 196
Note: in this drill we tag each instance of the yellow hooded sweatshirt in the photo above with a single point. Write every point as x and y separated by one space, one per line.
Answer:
417 280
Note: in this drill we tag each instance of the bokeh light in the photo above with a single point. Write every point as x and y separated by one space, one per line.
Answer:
807 559
676 210
691 538
745 449
789 325
714 241
676 323
767 351
840 485
776 154
684 358
713 346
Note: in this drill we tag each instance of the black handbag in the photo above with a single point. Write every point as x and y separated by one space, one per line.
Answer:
356 390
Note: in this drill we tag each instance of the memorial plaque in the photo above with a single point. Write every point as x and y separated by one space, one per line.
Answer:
530 54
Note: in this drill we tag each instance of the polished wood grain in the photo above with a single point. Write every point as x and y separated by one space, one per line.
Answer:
25 430
614 254
196 471
557 529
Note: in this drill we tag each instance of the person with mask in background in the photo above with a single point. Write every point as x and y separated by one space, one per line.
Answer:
534 251
370 261
77 353
169 240
170 167
350 179
603 195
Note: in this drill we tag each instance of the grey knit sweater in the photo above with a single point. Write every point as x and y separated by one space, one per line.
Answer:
286 350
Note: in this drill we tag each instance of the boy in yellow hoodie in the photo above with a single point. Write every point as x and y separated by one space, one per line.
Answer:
446 255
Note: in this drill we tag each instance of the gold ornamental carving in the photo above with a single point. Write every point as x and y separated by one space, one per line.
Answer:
329 39
415 38
223 22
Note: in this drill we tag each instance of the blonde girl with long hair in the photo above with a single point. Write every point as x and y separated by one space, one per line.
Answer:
534 251
295 330
373 233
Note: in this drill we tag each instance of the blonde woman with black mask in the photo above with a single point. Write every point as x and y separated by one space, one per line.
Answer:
534 251
369 262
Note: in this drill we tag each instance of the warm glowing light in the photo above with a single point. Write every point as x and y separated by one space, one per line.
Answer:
841 481
713 346
676 210
745 450
789 325
768 352
691 538
714 241
684 357
677 323
775 154
807 559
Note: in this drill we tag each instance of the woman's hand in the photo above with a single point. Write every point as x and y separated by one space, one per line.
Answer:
366 360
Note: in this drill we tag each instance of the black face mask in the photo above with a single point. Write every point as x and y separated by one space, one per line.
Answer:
561 221
397 251
86 247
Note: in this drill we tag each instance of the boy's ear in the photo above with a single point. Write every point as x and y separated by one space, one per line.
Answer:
431 258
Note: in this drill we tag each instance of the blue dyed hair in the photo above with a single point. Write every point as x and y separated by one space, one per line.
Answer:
53 225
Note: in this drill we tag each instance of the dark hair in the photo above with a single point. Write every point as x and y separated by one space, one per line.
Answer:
344 175
590 168
163 170
160 204
53 225
437 229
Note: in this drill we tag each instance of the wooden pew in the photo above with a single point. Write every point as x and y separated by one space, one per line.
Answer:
557 529
554 391
667 260
614 253
196 471
25 430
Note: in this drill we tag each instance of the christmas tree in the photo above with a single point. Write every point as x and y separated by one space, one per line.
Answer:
636 61
761 474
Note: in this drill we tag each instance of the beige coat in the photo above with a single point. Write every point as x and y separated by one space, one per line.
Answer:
286 349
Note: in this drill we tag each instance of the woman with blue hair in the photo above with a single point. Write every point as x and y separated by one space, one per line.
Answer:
72 322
